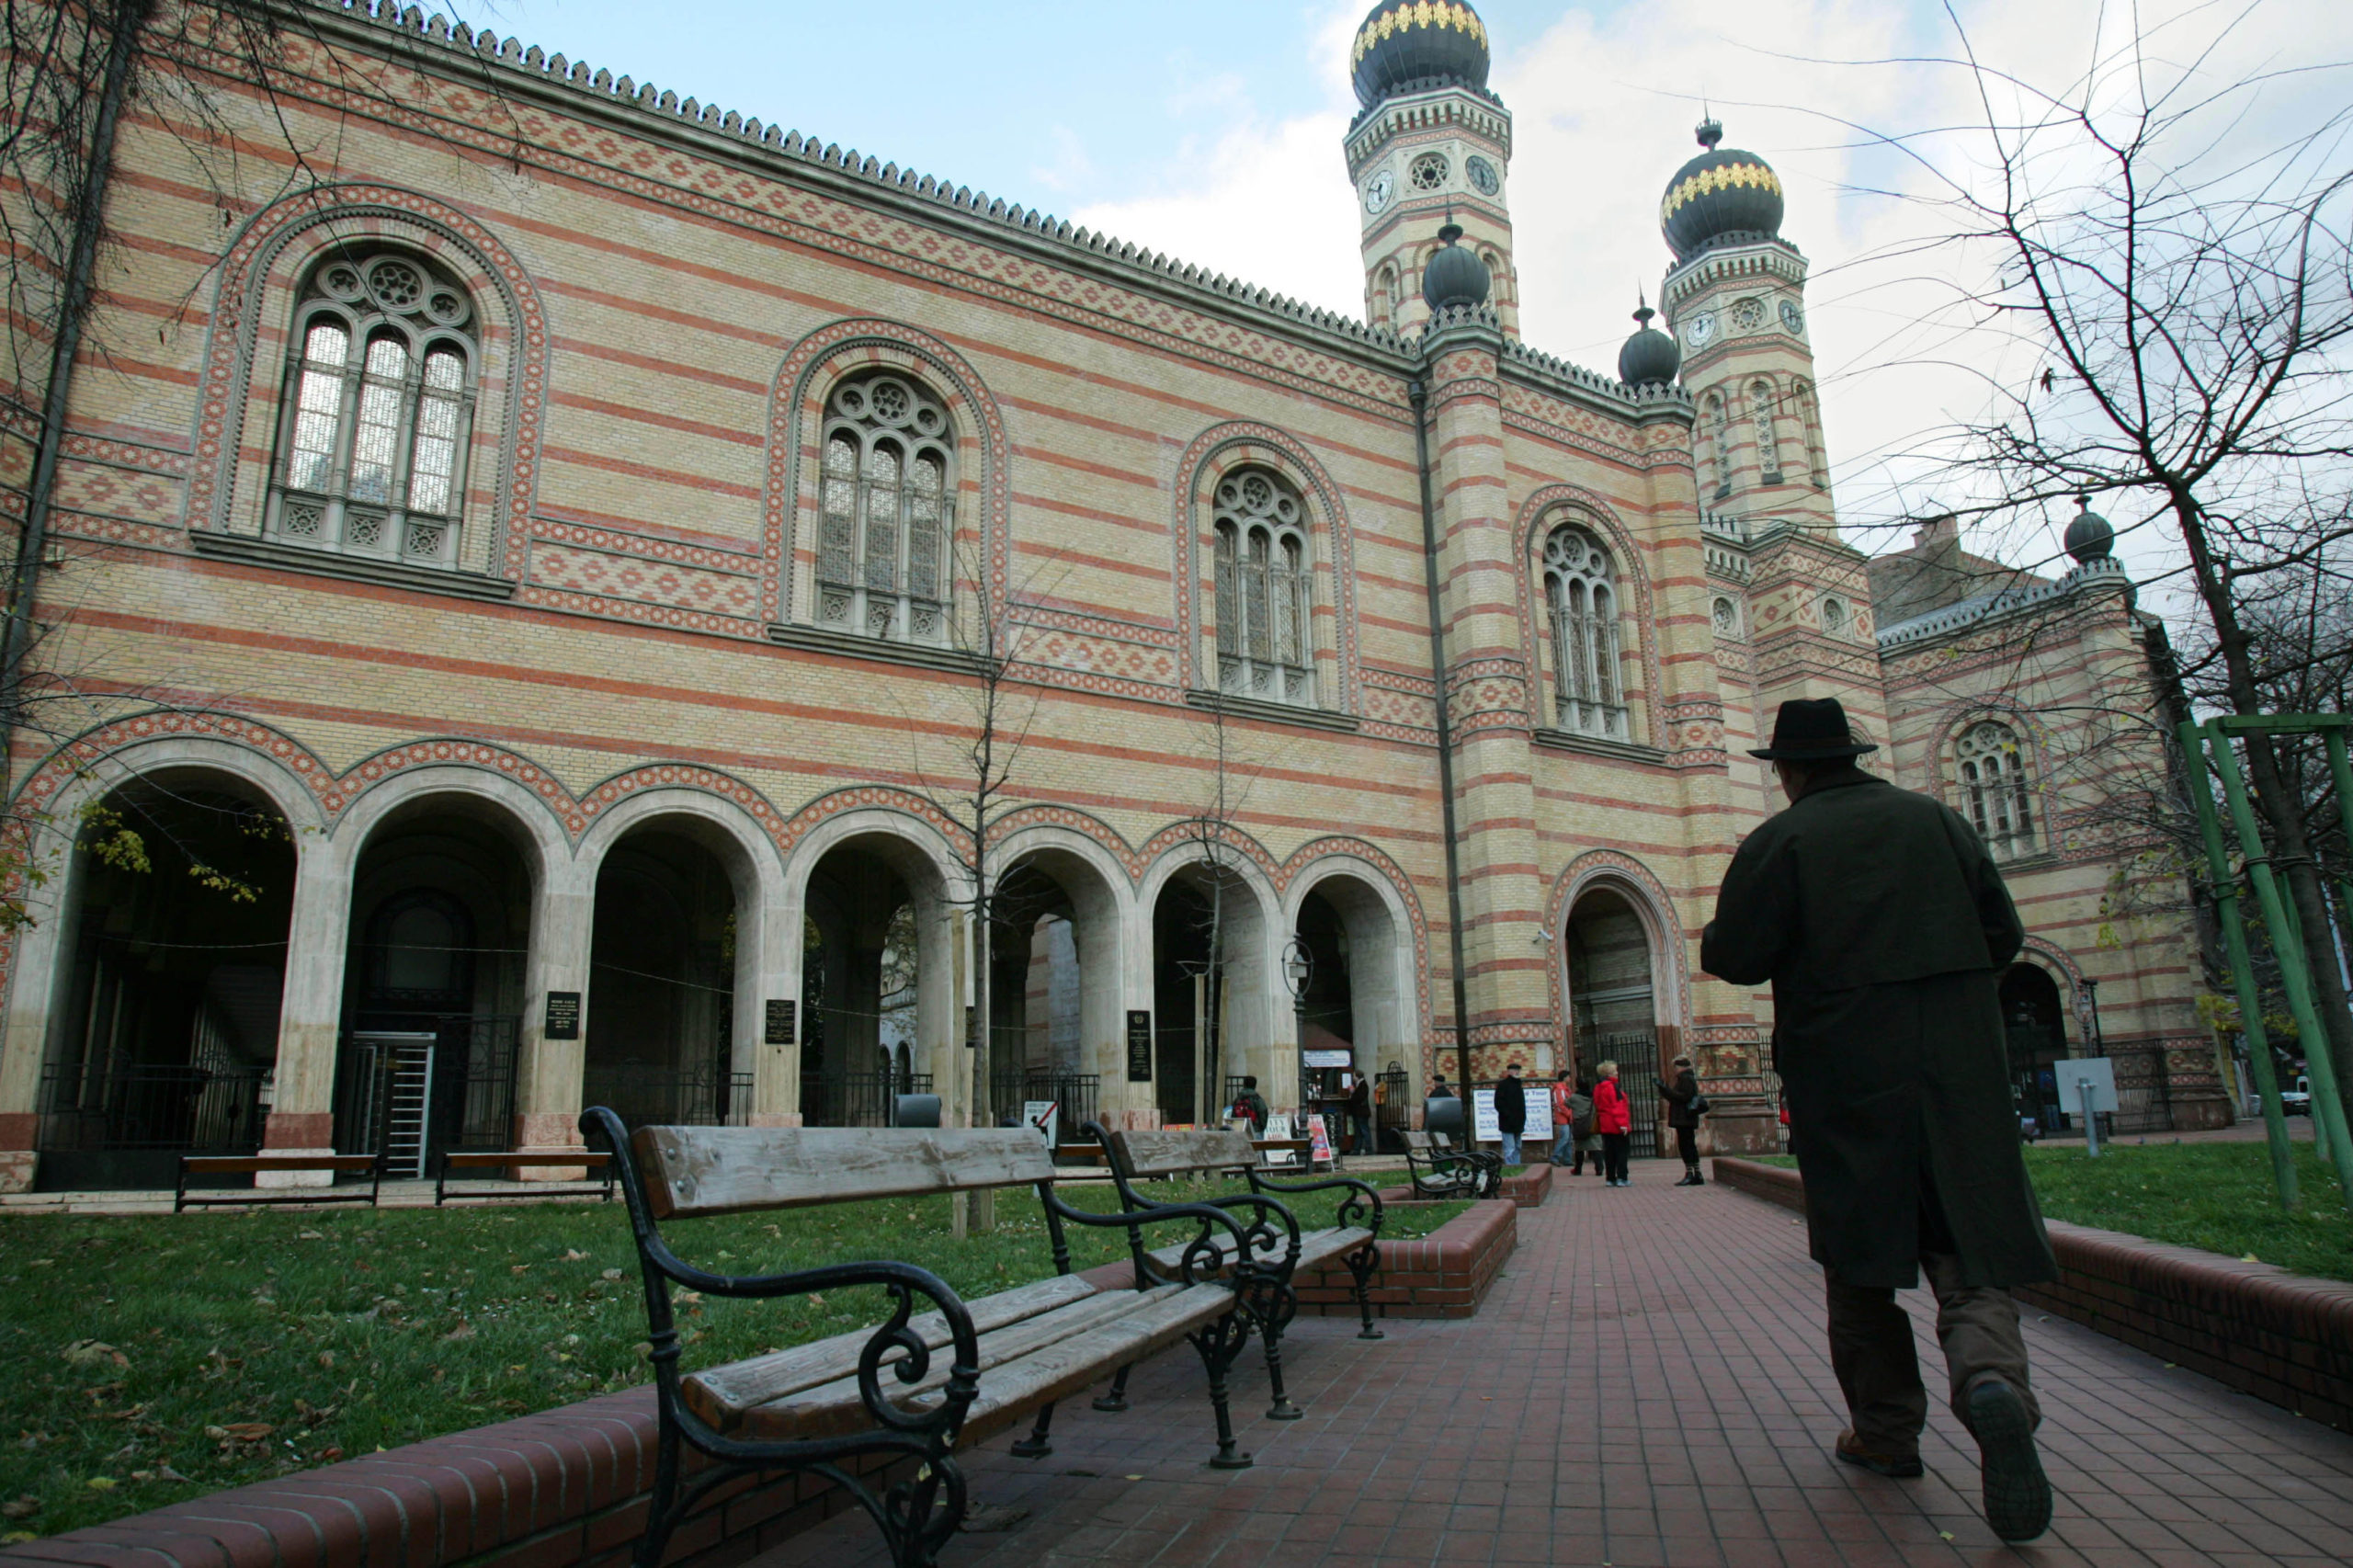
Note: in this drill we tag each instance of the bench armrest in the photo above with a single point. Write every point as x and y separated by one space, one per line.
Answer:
1204 1258
1260 1237
1364 1206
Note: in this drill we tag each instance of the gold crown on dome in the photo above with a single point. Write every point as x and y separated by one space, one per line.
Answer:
1417 14
1708 181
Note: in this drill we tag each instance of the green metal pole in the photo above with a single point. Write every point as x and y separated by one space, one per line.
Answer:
2328 1112
2321 1146
2226 898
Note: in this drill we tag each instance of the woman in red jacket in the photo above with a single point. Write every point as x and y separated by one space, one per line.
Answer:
1613 1117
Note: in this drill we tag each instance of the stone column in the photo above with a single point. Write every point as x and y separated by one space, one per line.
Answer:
549 1072
767 968
309 1014
1488 694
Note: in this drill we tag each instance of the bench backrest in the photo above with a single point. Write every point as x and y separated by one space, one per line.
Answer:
1416 1140
1172 1153
726 1170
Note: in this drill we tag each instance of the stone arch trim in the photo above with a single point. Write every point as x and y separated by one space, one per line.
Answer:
254 281
2053 955
874 798
1088 825
1670 973
1353 855
1538 516
740 810
1161 845
92 748
1213 453
795 412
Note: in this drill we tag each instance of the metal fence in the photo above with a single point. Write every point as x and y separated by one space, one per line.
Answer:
1079 1096
856 1099
181 1109
2143 1093
427 1084
1390 1115
643 1094
1636 1054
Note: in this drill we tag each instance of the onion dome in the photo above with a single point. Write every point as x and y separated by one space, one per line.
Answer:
1649 354
2090 537
1416 43
1722 191
1454 276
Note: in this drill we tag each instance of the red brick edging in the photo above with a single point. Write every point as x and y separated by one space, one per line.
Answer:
1444 1275
2253 1326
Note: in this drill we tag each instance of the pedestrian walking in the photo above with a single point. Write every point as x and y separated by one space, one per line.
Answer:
1613 1117
1360 1116
1251 1106
1684 1109
1882 924
1511 1112
1564 1121
1588 1130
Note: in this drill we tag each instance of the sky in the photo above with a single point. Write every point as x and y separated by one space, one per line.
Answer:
1211 130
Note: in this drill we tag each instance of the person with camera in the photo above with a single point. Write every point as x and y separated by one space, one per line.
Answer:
1684 1107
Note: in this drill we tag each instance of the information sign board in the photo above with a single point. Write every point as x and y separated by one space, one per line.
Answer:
1319 1141
1483 1117
1326 1059
782 1017
563 1015
1043 1115
1538 1098
1139 1045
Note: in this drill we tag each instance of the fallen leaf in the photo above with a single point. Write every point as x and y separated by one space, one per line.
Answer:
2250 1258
244 1431
167 1473
464 1331
689 1297
519 1269
332 1454
142 1475
102 1484
93 1353
612 1274
18 1538
572 1254
24 1508
309 1236
217 1434
326 1358
42 1263
1135 1478
1944 1535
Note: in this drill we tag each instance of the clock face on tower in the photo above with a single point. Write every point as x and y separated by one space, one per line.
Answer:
1700 330
1792 318
1482 175
1378 190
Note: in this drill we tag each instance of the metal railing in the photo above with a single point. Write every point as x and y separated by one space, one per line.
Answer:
644 1095
1636 1054
208 1111
856 1099
1080 1095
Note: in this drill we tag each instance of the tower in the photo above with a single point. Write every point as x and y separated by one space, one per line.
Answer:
1736 300
1430 143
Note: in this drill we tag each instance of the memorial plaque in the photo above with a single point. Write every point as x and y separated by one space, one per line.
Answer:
563 1015
1140 1046
781 1019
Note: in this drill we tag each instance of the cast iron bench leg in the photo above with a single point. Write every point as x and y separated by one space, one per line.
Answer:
1219 1344
1117 1399
1036 1446
1274 1303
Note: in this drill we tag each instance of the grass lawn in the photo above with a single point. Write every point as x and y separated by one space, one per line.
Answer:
150 1359
2215 1196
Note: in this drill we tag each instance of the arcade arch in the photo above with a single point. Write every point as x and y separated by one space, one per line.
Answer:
1055 977
1213 1009
1360 1000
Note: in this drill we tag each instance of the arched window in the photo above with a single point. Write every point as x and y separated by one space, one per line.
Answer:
379 406
887 513
1768 435
1388 295
1809 414
1719 425
1265 637
1581 593
1993 774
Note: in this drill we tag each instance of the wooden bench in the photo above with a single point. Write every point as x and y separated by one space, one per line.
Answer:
1281 1250
463 1159
938 1374
255 1164
1437 1169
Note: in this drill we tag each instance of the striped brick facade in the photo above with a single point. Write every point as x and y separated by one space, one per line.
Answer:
629 638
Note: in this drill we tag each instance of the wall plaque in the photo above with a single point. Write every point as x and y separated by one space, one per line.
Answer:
1140 1046
563 1015
781 1020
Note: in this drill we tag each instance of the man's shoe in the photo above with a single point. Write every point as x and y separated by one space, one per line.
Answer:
1854 1451
2017 1495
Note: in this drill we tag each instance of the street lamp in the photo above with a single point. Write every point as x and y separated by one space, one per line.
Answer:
1298 967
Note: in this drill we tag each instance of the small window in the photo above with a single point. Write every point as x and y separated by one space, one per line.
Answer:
1834 615
1727 618
1264 580
379 406
1581 594
1993 776
886 511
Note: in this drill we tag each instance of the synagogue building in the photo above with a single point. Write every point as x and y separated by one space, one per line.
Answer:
580 597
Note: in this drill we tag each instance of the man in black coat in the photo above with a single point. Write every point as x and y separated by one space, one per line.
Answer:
1882 924
1682 1097
1511 1112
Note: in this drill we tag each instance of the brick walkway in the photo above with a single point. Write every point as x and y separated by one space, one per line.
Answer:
1647 1385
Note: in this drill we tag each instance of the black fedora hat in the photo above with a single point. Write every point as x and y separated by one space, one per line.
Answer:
1811 730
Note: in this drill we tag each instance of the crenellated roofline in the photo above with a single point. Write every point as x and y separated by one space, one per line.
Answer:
574 85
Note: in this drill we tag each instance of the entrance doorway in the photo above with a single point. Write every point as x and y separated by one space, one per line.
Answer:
1612 1006
165 1039
2033 1024
662 985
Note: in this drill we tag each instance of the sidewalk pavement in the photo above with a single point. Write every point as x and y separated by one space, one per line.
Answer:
1647 1387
